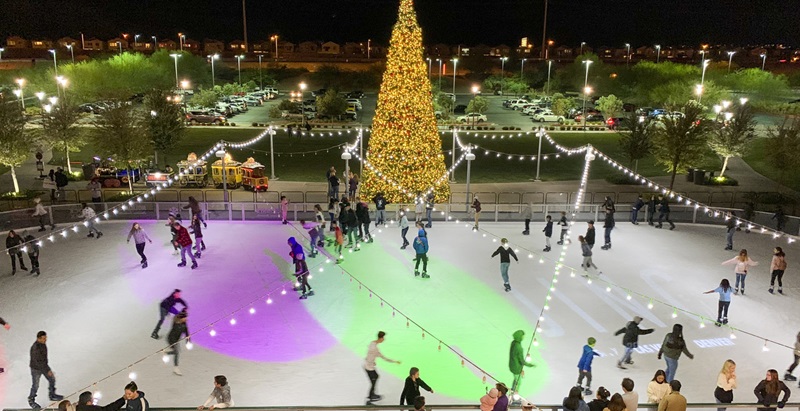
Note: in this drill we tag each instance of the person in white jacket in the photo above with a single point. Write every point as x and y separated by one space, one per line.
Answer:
89 216
742 262
726 383
221 393
658 388
374 353
41 213
403 229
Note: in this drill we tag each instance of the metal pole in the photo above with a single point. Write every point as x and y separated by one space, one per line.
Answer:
361 150
455 65
239 67
72 53
440 74
224 181
469 169
453 158
213 82
544 31
522 70
260 77
55 63
271 155
244 23
539 156
549 66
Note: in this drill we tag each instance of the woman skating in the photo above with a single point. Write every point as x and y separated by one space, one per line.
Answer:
179 329
199 245
768 390
778 266
333 211
139 238
726 382
658 388
742 262
476 208
788 376
725 292
194 206
673 346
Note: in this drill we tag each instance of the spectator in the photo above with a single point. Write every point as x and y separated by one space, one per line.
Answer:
768 390
13 244
333 181
629 396
780 218
352 185
134 399
574 401
658 388
600 401
221 393
726 382
61 182
635 210
411 388
617 403
331 171
489 400
86 403
96 189
429 203
419 403
674 401
502 399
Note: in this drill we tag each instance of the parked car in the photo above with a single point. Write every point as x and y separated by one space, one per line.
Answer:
547 115
472 118
319 93
356 102
617 123
89 108
204 117
271 90
517 104
355 94
670 114
460 109
451 95
530 109
590 117
254 101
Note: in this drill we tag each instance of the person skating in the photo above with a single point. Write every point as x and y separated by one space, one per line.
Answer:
301 272
403 229
586 252
516 360
527 214
134 399
176 333
40 367
362 213
40 213
663 212
429 203
13 247
321 225
506 252
548 232
284 203
726 383
166 307
730 230
140 238
637 205
725 292
608 225
333 211
788 375
373 353
313 235
184 242
338 238
777 267
419 208
421 248
590 234
349 222
380 209
411 387
89 219
780 218
197 230
7 326
651 209
673 346
741 263
86 403
564 227
630 339
768 390
585 365
32 248
476 208
196 210
221 394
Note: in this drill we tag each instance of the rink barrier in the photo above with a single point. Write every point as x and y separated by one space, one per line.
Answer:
218 210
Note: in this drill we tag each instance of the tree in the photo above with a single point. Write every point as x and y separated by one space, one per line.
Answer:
562 105
609 105
121 133
15 142
165 123
732 138
680 141
332 104
636 140
783 145
444 103
478 105
205 98
405 149
60 127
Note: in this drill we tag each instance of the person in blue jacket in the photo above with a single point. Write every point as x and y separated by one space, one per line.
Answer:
585 365
421 248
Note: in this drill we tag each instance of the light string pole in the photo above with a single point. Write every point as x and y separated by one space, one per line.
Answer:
271 155
539 155
469 157
453 155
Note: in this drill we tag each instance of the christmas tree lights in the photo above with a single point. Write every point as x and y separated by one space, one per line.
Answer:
405 146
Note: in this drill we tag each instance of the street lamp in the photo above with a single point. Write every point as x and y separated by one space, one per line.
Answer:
628 55
658 53
1 53
502 75
369 48
469 157
549 66
20 94
763 60
180 40
119 44
136 41
586 91
475 91
583 43
239 59
730 59
522 69
260 78
55 62
275 39
175 56
440 73
346 156
71 53
702 80
155 43
213 57
430 68
184 87
221 155
455 65
303 86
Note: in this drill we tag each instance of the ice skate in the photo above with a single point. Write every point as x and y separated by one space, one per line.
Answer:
736 290
425 275
56 397
144 264
659 226
175 252
789 377
90 235
205 225
154 335
718 323
671 227
416 273
14 271
177 371
507 287
742 290
546 249
587 391
42 229
621 367
304 297
203 247
376 397
771 291
34 405
310 293
194 265
780 290
526 232
725 320
560 242
23 268
99 234
727 248
182 264
320 243
197 255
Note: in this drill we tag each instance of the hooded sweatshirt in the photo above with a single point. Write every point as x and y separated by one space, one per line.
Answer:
139 404
516 356
421 242
674 344
585 363
489 400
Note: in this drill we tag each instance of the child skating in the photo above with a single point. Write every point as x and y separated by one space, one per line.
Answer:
338 240
585 365
564 227
548 232
404 230
284 209
313 234
197 230
586 252
421 248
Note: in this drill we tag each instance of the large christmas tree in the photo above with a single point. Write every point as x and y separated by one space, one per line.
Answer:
405 149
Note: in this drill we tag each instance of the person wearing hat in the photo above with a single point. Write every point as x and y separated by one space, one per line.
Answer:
516 360
585 365
41 213
630 339
421 248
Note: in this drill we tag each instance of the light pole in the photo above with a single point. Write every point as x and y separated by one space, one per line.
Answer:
369 47
275 39
539 155
730 59
271 133
430 68
658 53
475 91
221 155
702 81
549 66
175 56
502 74
20 93
260 78
213 57
703 54
71 53
1 53
136 41
453 156
455 65
763 61
586 91
184 86
55 62
440 73
155 43
583 43
303 86
628 55
469 157
522 69
239 59
119 44
181 38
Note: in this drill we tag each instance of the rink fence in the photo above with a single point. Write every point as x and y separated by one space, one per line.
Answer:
61 214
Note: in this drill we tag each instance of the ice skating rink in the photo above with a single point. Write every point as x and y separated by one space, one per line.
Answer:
99 307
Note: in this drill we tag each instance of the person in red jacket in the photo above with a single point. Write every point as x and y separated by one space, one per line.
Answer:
184 241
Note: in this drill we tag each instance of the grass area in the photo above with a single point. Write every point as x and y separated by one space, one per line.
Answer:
757 158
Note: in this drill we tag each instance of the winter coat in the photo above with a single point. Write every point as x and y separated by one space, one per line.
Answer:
501 404
505 254
663 206
61 179
586 251
411 390
638 204
589 236
352 219
582 406
339 235
631 333
197 228
421 243
362 212
420 207
585 363
548 229
740 266
429 202
33 246
177 331
403 222
96 188
39 357
380 202
353 184
139 236
88 213
114 406
39 210
656 392
516 355
334 181
609 221
489 400
764 398
297 253
182 237
222 395
13 243
673 345
139 404
563 223
778 262
170 302
597 404
476 205
527 212
194 206
730 224
675 401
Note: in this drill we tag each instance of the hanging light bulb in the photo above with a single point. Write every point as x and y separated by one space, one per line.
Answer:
132 376
675 313
650 305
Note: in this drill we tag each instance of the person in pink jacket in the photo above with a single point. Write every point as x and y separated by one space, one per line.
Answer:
742 262
489 400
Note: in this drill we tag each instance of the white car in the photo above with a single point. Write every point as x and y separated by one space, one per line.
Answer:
531 109
472 118
547 116
271 90
517 104
354 101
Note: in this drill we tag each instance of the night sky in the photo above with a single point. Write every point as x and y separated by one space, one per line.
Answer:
598 22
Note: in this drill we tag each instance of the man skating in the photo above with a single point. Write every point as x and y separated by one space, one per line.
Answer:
516 360
32 248
421 248
184 242
88 217
167 307
369 366
548 232
608 225
39 367
635 210
403 229
663 212
630 339
40 213
590 234
176 333
380 209
564 224
505 252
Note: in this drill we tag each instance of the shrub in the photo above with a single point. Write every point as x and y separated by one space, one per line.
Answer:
722 181
621 179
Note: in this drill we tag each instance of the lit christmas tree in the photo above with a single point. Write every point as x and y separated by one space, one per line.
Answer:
405 150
